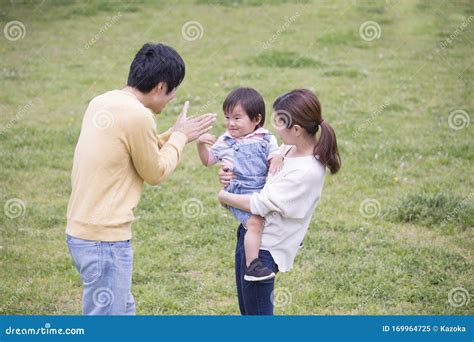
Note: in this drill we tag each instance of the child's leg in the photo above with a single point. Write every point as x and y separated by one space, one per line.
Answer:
253 237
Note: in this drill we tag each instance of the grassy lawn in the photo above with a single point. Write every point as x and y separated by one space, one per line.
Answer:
394 230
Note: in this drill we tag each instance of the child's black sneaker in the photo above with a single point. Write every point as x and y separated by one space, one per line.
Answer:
258 271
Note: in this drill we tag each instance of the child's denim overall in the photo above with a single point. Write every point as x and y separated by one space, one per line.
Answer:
250 168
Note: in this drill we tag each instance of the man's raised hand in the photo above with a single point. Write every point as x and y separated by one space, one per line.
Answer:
193 127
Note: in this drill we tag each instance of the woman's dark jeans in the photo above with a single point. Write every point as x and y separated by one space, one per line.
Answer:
255 297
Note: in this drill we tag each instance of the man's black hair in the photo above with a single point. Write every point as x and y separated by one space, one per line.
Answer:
155 63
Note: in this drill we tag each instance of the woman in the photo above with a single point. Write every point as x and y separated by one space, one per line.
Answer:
289 198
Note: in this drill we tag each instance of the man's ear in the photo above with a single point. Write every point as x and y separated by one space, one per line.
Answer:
160 88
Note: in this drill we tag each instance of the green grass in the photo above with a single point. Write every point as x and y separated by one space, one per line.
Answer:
388 100
437 210
284 59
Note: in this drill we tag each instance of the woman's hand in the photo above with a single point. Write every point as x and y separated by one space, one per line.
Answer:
225 176
276 164
221 197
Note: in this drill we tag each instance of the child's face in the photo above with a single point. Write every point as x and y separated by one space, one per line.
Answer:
238 122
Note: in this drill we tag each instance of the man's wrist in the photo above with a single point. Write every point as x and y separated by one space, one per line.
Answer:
181 134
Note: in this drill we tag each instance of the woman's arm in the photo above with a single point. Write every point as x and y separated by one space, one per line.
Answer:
241 202
291 195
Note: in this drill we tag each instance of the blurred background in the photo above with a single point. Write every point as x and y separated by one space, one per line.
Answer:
394 230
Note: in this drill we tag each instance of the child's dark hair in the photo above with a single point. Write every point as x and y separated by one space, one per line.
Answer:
304 109
250 100
155 63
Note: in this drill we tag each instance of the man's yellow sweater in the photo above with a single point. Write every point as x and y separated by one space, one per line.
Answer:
118 149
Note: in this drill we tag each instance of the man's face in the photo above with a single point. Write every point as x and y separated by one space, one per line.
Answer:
159 99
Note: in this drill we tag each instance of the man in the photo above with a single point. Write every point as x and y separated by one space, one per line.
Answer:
119 149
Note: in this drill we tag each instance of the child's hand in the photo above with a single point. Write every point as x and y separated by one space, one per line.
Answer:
276 164
206 138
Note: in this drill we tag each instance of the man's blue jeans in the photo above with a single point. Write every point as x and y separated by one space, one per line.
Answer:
255 297
106 273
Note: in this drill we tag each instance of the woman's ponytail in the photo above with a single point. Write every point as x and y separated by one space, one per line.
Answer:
326 148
